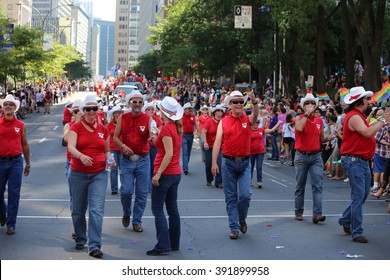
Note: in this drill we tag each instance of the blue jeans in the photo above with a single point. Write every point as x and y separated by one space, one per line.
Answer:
312 165
202 148
258 160
152 155
10 174
188 140
359 176
274 145
114 171
88 191
67 167
236 187
209 175
168 236
135 177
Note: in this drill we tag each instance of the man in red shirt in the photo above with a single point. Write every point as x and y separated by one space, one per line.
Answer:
235 132
189 128
13 142
132 135
309 133
357 148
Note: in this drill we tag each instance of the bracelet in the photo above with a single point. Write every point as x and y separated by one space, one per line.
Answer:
383 120
28 165
122 146
306 116
255 103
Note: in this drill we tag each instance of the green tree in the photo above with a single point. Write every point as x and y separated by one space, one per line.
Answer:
78 70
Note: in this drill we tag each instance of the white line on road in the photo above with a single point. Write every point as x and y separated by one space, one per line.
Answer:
55 127
279 183
42 140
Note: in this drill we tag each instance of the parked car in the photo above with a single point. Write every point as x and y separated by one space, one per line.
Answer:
122 90
137 84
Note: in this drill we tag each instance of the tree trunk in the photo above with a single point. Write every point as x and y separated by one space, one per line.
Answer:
321 30
350 48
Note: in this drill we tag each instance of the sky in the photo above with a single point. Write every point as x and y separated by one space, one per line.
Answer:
104 9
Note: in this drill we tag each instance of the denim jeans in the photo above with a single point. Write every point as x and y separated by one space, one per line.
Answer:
208 160
10 174
202 148
359 176
236 187
258 160
114 170
188 140
168 235
312 165
152 156
274 145
135 177
88 191
67 167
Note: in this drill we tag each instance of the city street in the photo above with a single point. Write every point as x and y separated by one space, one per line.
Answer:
44 226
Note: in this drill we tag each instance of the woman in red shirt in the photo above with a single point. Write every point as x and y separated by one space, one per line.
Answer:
209 131
89 145
113 115
167 178
201 120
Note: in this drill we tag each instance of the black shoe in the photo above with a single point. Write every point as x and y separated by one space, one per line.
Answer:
186 172
79 246
270 158
114 193
137 228
126 221
3 219
243 227
73 235
347 230
96 254
234 234
318 218
10 231
360 239
155 252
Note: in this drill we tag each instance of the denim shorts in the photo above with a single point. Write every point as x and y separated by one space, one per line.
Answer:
379 163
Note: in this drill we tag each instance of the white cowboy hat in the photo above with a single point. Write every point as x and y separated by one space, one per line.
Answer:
171 108
133 94
187 105
309 96
116 108
89 101
218 107
10 98
76 104
148 105
235 95
355 94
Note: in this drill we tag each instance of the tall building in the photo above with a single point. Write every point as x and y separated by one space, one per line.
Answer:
126 33
147 17
80 36
103 36
19 11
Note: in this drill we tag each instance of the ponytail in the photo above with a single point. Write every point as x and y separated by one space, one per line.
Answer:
179 127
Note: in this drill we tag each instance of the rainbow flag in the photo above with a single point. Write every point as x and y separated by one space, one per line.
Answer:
343 92
323 96
327 163
383 94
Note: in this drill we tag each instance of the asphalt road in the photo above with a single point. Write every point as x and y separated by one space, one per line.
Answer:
44 227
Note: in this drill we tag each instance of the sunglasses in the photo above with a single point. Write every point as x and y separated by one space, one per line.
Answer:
88 109
8 104
235 102
137 102
310 102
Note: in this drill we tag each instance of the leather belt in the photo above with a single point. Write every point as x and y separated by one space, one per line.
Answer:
353 156
134 157
237 159
9 157
309 153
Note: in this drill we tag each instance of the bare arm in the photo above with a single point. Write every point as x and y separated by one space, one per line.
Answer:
356 123
255 109
216 148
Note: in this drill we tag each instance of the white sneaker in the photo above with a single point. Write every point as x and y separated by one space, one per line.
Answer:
346 180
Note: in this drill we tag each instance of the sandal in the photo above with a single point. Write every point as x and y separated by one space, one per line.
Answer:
378 194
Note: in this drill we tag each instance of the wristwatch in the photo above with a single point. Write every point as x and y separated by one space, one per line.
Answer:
306 116
383 120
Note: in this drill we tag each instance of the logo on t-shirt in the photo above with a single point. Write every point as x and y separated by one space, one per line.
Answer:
17 129
142 128
101 135
318 126
244 125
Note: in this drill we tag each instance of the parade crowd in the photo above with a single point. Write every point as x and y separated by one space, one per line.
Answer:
146 139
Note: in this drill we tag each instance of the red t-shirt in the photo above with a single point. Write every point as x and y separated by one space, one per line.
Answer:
211 126
135 132
353 142
111 129
91 144
188 122
309 139
173 167
67 115
257 141
202 120
236 136
11 137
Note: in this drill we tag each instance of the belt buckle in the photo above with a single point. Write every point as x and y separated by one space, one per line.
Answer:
134 157
239 159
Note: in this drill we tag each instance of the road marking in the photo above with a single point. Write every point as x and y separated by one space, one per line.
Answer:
55 127
42 140
279 183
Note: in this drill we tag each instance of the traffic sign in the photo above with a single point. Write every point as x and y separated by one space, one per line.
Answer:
243 17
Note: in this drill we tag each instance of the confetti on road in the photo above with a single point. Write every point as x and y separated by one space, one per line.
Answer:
190 248
279 247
